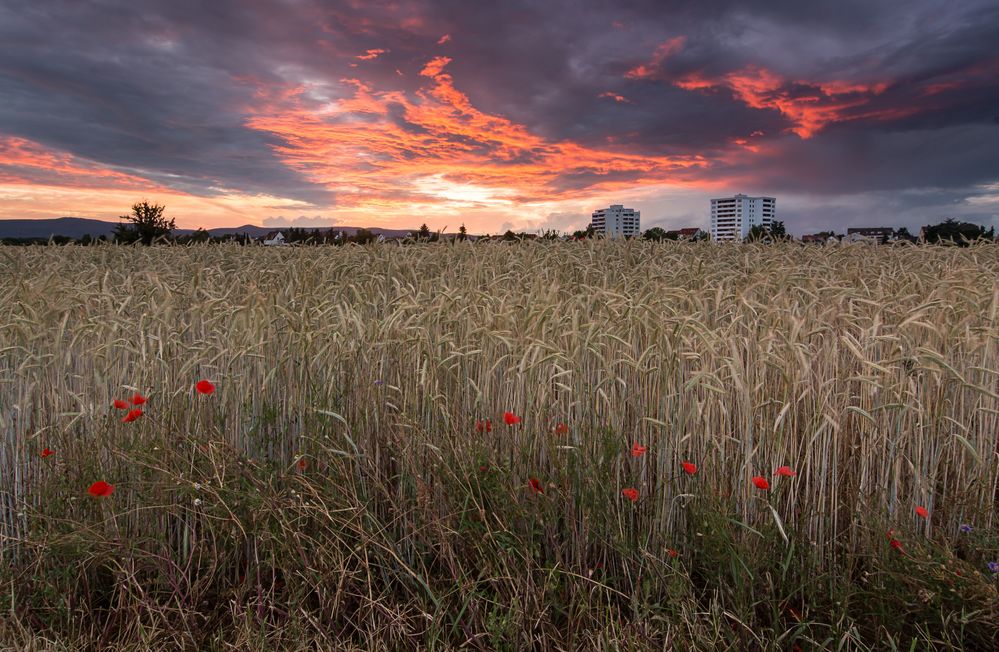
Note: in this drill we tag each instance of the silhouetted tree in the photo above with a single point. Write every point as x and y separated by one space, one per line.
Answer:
655 234
462 232
145 224
960 233
777 231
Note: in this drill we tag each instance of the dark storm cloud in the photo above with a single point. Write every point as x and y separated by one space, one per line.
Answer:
164 89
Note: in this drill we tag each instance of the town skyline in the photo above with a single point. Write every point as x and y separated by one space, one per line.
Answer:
519 117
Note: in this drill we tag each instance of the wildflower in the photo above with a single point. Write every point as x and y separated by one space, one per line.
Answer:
785 471
205 387
138 399
302 463
486 426
483 468
638 450
761 483
921 511
672 553
965 528
630 493
993 566
120 404
896 544
689 468
100 489
510 419
197 502
561 429
132 415
379 382
47 452
536 485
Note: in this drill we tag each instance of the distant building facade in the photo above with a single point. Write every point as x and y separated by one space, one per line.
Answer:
874 234
733 217
616 222
692 233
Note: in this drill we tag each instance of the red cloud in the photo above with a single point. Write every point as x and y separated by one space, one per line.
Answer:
25 162
444 39
809 105
653 69
615 97
392 149
371 54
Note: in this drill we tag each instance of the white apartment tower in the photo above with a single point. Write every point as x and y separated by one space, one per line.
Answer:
616 221
733 217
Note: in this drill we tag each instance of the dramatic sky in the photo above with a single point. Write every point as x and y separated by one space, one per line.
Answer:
521 114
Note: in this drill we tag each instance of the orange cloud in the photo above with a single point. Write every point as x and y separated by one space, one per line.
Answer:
810 106
444 39
25 162
392 150
615 97
653 69
371 54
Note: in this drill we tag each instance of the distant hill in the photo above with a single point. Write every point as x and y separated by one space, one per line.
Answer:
77 227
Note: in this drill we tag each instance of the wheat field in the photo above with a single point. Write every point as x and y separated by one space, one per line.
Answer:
341 488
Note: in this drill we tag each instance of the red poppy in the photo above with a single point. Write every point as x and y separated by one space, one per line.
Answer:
483 467
536 486
510 419
638 450
561 429
120 404
132 415
138 399
302 463
922 511
100 489
761 482
896 544
785 471
672 553
630 493
205 387
689 468
486 426
47 452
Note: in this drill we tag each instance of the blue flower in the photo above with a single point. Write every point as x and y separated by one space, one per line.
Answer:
965 528
993 566
379 382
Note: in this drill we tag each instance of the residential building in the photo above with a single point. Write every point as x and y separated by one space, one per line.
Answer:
616 222
692 233
274 238
733 217
876 234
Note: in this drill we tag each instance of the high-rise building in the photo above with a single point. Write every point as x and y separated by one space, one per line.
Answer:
733 217
616 221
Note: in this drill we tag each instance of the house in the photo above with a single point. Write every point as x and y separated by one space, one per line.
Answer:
876 235
274 238
692 233
815 238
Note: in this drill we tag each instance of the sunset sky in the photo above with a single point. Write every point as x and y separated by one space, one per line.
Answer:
513 114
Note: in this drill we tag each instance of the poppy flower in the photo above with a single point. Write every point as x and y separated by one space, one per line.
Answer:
132 415
630 493
302 463
921 511
510 419
100 489
785 471
672 553
896 544
205 387
138 399
47 452
483 468
638 450
761 482
536 486
484 426
689 468
561 429
120 404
